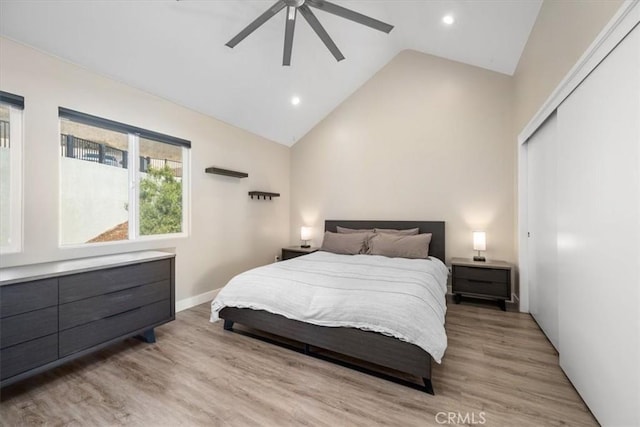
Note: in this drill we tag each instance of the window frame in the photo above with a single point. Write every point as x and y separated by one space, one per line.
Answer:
134 134
15 103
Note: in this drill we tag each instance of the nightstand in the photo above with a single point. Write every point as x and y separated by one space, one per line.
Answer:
489 279
295 251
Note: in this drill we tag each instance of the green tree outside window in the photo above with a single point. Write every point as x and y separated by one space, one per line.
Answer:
160 202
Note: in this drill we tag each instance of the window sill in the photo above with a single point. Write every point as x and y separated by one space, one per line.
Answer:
10 250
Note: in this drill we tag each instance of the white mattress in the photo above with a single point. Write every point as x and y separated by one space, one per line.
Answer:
402 298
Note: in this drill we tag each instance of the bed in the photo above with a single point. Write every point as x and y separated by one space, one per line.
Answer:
373 345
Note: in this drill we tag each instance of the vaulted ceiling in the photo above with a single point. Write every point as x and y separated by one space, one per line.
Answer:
176 49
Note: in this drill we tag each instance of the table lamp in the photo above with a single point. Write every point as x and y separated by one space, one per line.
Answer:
479 244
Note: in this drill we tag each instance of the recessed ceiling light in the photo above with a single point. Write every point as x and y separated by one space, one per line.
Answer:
295 100
448 19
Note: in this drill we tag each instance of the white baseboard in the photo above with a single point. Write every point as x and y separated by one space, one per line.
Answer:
187 303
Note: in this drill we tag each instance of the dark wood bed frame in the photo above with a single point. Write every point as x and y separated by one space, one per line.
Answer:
367 346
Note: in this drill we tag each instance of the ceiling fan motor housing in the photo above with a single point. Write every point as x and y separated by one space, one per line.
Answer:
294 3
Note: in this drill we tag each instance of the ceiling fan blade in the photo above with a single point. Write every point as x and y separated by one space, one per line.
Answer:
321 32
350 14
288 35
277 7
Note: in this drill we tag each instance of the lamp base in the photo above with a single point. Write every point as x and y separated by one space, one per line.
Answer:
479 258
305 246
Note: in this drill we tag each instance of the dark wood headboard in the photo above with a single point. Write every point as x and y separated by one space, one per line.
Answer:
436 228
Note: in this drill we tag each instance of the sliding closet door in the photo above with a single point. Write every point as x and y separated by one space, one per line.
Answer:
542 164
599 236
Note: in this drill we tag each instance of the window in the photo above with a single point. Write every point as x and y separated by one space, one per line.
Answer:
11 107
119 182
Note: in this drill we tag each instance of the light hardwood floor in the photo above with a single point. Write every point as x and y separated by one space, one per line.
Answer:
498 368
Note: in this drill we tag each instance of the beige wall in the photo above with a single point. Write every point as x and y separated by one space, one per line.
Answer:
425 139
229 232
428 138
563 31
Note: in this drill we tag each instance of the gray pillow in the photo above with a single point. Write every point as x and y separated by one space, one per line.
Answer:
347 244
344 230
400 246
406 232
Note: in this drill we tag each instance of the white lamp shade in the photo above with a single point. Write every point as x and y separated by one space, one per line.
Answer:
305 233
479 241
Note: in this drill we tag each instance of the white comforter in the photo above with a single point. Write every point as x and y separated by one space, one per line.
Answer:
402 298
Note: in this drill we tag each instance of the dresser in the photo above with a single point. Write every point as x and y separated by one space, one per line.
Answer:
56 312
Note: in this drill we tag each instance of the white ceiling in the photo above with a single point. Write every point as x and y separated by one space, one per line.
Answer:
175 49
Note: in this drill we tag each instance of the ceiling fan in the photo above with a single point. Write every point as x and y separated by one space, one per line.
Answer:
304 6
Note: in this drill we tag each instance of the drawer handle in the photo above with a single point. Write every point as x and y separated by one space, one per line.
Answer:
479 281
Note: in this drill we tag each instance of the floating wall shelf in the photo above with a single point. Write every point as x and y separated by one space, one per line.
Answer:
263 194
226 172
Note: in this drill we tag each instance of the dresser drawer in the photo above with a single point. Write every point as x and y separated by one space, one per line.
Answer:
95 308
486 274
287 254
86 285
31 354
28 296
94 333
478 287
28 326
